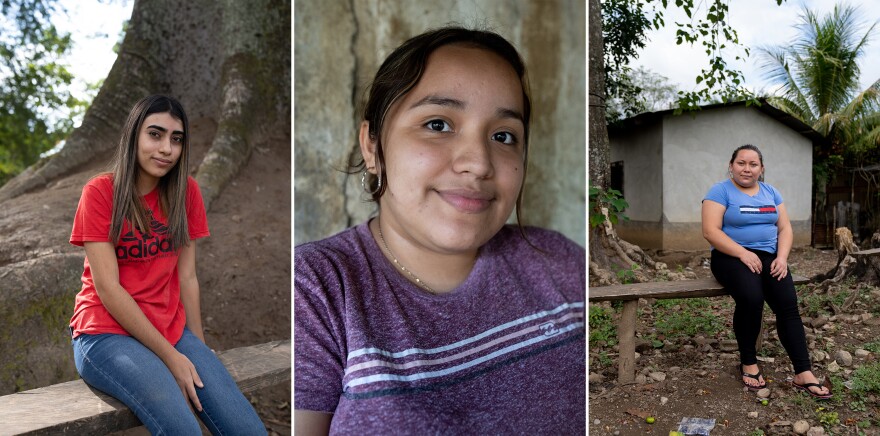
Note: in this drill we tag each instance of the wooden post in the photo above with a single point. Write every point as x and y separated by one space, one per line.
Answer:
626 335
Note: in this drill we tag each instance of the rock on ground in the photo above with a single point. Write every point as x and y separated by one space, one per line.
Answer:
843 358
815 431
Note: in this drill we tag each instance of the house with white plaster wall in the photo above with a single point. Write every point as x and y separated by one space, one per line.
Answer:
665 163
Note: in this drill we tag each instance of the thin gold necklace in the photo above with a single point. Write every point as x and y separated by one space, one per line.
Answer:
399 265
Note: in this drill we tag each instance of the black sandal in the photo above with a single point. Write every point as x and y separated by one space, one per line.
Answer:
756 377
806 388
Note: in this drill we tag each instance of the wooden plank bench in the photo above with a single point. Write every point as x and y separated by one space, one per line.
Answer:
75 408
630 294
866 253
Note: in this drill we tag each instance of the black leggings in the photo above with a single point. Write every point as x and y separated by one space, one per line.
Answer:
749 291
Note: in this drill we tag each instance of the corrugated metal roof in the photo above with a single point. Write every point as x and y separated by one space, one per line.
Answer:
779 115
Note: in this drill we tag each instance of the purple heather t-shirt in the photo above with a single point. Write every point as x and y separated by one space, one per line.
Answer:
503 353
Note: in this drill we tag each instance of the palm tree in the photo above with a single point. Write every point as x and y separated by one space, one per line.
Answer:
818 78
818 81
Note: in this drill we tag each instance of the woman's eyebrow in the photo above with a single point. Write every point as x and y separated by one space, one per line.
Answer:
454 103
163 130
504 112
440 101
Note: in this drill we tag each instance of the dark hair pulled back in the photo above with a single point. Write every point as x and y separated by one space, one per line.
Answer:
401 72
752 148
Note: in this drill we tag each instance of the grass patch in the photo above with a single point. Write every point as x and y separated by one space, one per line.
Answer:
602 329
836 386
693 303
866 380
873 347
604 359
819 304
686 317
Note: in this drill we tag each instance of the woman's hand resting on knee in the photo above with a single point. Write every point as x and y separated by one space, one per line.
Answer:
187 378
752 261
779 268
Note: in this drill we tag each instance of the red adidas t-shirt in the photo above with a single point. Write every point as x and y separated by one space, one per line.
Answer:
147 266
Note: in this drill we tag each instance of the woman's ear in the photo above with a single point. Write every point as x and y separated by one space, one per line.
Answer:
368 147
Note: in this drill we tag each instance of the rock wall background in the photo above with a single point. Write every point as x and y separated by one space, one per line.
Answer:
339 44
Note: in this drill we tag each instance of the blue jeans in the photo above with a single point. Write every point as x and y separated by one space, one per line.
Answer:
125 369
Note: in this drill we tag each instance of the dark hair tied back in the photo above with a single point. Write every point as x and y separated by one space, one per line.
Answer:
752 148
401 72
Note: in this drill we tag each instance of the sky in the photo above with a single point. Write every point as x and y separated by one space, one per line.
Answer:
758 23
92 54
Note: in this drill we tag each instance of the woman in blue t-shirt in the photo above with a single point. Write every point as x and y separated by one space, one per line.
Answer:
745 221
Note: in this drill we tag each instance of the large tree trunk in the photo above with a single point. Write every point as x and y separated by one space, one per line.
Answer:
228 62
608 253
600 151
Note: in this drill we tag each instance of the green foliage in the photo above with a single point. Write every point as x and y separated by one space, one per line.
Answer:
686 317
627 275
690 303
655 342
714 33
624 23
606 198
819 304
828 418
817 76
604 359
836 386
873 347
857 406
602 327
866 380
33 82
640 90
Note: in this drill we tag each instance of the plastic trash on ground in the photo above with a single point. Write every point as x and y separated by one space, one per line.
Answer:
696 426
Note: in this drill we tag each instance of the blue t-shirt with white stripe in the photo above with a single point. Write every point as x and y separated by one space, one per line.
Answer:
749 220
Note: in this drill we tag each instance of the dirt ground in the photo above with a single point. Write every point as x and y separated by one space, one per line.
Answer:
244 266
697 376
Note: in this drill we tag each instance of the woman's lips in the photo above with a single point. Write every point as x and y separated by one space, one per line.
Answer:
162 163
467 201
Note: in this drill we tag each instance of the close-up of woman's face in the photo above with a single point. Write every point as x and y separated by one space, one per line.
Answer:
159 144
746 168
454 150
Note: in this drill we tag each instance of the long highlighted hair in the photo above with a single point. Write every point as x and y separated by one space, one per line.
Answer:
127 202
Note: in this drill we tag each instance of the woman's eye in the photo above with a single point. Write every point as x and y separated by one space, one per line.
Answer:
438 126
504 138
177 139
154 134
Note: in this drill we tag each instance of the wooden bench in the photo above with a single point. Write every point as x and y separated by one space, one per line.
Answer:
75 408
866 253
630 294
